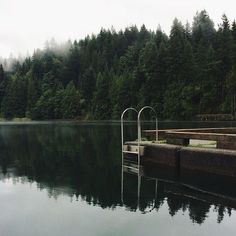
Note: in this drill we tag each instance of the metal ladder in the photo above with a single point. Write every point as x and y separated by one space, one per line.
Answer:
137 151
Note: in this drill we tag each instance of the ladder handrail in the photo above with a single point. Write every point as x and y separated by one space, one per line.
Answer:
122 144
139 122
139 128
122 123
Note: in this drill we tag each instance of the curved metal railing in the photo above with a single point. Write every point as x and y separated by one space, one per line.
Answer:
138 153
122 123
122 144
139 122
140 128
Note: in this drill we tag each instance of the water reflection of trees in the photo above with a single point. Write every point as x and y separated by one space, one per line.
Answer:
84 162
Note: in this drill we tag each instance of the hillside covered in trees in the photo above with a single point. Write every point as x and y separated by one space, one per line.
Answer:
192 71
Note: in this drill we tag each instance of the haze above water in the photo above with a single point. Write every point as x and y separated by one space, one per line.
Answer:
27 24
64 179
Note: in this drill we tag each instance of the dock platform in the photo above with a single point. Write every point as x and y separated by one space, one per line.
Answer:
205 150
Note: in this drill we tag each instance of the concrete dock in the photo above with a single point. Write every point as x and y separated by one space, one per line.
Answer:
200 155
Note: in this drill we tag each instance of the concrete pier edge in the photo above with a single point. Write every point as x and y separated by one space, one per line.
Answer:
215 161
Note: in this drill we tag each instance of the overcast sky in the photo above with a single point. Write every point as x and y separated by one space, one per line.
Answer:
27 24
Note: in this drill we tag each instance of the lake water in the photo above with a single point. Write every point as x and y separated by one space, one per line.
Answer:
65 179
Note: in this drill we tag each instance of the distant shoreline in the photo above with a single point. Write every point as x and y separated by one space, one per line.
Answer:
30 121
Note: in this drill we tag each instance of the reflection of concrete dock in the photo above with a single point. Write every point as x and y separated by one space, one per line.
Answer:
207 150
158 182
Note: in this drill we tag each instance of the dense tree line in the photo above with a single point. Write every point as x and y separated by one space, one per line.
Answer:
192 71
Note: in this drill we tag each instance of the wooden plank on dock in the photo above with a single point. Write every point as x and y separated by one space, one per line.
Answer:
202 136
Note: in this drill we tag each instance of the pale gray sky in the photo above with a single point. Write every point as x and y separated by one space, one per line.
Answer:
27 24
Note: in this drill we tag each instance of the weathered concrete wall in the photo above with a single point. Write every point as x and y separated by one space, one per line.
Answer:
226 145
162 154
179 158
222 162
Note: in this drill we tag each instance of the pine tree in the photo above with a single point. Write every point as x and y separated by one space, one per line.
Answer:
202 28
32 96
101 102
176 47
87 86
70 106
8 106
1 73
44 108
234 41
148 60
2 84
225 56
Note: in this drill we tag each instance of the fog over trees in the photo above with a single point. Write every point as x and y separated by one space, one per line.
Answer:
192 71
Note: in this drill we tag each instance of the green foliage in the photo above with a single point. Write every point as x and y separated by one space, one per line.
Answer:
44 108
102 109
70 102
188 73
203 28
32 95
15 99
2 83
1 73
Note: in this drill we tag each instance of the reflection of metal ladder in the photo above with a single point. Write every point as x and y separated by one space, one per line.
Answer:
133 165
137 203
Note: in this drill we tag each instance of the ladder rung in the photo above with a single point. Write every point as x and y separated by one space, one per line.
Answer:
132 162
130 167
130 152
134 149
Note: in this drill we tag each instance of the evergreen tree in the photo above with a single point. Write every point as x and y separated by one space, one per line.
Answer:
32 96
1 73
58 99
87 86
234 42
2 84
120 94
148 60
70 104
177 44
231 87
202 28
225 57
44 108
101 102
8 107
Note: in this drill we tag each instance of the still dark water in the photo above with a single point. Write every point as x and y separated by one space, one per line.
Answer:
65 179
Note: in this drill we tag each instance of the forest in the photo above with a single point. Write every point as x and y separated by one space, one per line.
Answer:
190 72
